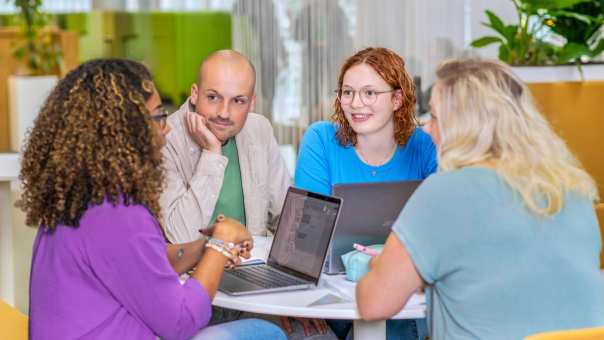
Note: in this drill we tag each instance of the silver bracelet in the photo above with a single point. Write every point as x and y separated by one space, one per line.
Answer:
221 249
220 243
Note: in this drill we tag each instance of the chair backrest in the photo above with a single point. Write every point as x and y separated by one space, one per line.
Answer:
13 323
575 334
600 214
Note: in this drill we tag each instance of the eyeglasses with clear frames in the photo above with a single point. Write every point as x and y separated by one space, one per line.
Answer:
160 116
368 95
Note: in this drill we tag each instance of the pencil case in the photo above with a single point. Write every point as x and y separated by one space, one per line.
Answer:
356 263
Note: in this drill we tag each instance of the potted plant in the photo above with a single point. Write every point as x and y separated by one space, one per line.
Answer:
553 47
40 64
547 33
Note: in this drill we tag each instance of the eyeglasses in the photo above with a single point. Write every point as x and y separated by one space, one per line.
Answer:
160 116
368 95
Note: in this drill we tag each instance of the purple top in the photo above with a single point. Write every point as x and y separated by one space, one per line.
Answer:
111 279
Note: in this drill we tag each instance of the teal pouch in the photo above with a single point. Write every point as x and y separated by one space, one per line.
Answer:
357 263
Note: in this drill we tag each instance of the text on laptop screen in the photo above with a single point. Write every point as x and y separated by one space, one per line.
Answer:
304 233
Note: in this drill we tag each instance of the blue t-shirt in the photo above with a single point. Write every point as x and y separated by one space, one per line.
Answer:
323 162
495 270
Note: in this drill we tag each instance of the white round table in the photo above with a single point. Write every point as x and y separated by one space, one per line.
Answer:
332 299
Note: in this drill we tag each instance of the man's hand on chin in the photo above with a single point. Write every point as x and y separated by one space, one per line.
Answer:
198 129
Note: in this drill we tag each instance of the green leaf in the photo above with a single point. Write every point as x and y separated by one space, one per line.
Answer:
532 5
597 50
580 17
19 53
496 23
511 31
484 41
572 51
504 53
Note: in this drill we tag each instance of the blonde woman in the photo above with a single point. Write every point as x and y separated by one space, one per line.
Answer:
505 236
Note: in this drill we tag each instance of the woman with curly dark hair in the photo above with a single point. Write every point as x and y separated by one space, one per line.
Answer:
373 136
92 175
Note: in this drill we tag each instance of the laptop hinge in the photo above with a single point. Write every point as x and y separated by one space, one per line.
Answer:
292 272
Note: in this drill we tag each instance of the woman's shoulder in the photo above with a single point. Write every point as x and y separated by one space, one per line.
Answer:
323 127
420 138
323 132
465 180
118 214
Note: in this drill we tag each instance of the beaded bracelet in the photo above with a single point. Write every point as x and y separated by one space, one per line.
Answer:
221 249
220 243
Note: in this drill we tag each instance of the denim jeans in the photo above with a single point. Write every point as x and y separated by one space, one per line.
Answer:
245 329
395 329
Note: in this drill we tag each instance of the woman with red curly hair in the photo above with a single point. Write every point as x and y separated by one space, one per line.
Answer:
373 137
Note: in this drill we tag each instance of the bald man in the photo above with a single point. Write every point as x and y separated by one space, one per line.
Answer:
220 157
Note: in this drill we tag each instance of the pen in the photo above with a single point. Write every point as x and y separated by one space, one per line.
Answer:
365 250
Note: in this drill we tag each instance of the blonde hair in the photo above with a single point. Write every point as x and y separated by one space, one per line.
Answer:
486 113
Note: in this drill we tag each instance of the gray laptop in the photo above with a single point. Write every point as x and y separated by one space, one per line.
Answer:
368 212
298 251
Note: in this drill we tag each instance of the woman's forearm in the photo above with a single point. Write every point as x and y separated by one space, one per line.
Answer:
209 271
209 264
184 256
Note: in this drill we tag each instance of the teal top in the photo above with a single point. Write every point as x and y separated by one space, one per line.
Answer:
230 202
494 269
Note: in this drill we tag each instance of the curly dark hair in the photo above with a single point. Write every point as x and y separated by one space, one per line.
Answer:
92 140
391 67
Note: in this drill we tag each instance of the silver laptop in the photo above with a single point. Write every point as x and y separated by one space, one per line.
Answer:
298 251
368 212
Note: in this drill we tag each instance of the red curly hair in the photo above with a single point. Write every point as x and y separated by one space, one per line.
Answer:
391 67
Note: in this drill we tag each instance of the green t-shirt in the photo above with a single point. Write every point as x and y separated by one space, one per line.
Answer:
230 201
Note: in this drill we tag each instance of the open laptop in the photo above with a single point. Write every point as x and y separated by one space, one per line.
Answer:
298 251
368 212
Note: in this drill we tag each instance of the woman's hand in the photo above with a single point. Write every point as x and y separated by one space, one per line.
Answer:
230 230
211 267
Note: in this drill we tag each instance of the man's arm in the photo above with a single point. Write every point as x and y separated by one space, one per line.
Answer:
279 181
188 207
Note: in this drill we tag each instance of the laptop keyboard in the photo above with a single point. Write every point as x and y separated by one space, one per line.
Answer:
266 277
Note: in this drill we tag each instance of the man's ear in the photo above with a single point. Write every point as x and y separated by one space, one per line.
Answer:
194 94
253 103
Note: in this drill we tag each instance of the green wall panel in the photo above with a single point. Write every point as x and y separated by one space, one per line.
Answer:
172 44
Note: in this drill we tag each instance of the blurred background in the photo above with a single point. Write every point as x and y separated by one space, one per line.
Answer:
297 47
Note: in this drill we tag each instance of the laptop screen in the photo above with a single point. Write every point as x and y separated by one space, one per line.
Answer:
305 227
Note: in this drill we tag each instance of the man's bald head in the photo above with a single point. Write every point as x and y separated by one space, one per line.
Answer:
229 60
224 93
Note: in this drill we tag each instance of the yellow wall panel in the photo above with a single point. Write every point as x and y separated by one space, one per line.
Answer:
600 213
576 111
